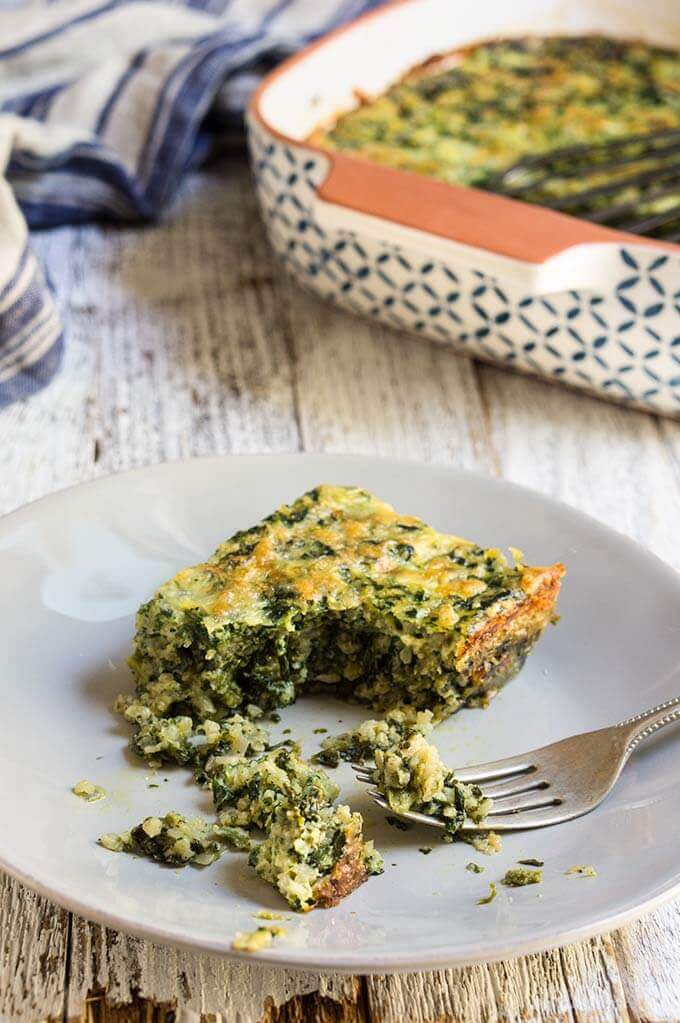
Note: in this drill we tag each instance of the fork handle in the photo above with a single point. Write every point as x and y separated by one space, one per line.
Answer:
641 726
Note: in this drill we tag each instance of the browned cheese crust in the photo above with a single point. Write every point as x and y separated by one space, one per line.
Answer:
489 649
347 874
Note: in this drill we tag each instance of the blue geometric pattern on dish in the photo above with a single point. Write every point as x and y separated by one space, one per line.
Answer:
623 344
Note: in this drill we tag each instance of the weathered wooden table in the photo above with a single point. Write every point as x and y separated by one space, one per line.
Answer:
186 339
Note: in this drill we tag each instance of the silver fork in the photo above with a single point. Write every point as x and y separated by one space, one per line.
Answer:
552 784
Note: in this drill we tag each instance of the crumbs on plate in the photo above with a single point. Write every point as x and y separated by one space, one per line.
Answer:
517 877
254 941
581 871
490 897
88 791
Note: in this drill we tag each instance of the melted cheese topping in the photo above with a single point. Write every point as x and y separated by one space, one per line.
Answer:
339 547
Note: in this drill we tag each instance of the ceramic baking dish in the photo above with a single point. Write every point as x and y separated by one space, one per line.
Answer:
501 280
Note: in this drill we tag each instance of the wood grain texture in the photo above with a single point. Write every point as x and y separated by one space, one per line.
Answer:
648 958
580 983
34 942
127 968
185 339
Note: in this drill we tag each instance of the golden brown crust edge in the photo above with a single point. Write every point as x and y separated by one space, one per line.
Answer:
516 625
347 874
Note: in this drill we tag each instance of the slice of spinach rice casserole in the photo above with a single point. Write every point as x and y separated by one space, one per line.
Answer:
335 592
338 592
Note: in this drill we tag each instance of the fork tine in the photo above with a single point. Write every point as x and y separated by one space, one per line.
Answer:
411 815
577 169
647 163
494 769
422 818
598 216
526 820
380 800
539 817
522 783
642 226
644 177
586 149
526 801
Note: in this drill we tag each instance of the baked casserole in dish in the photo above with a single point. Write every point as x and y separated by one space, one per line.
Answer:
468 116
372 204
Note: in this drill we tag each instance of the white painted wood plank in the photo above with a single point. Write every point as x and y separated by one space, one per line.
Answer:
33 954
366 389
568 985
125 966
443 995
648 954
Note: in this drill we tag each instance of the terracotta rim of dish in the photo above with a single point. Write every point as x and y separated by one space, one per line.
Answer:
469 216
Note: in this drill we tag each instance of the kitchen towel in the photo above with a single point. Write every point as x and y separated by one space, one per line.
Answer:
103 107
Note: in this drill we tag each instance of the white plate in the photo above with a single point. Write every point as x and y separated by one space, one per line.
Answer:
76 565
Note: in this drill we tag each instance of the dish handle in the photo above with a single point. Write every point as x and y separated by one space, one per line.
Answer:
538 250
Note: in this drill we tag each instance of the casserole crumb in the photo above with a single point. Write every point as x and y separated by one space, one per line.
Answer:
88 791
254 941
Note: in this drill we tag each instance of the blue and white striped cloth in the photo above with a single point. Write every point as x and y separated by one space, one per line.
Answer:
104 104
